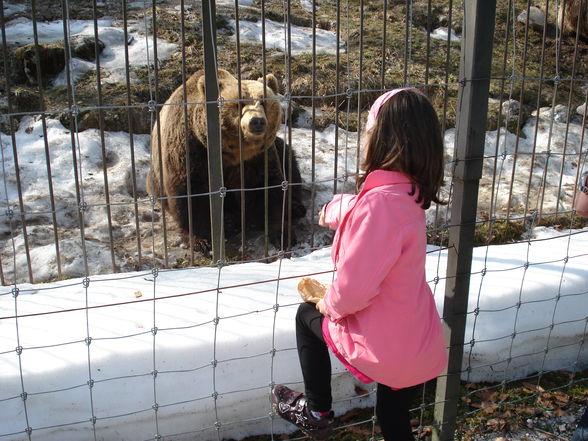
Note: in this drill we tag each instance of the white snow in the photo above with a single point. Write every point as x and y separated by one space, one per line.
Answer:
443 34
275 37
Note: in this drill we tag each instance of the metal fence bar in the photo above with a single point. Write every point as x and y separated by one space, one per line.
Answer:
476 56
215 170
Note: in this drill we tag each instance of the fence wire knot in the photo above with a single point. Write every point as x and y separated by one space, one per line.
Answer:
155 272
276 307
217 425
90 383
349 93
214 364
220 263
18 350
24 396
284 185
154 330
154 373
86 282
556 80
15 292
273 352
9 213
83 207
472 342
222 192
75 110
220 102
93 420
155 407
88 341
215 395
29 430
477 311
151 105
484 270
216 320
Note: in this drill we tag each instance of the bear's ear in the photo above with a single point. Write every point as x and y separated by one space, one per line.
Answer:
225 80
272 82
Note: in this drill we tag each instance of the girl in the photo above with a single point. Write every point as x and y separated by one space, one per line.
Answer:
378 317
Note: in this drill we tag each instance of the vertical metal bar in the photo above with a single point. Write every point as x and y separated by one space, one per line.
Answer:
475 66
570 97
73 115
383 68
131 132
102 139
494 192
359 87
155 100
313 132
447 59
265 151
186 130
519 119
21 213
215 169
538 106
240 104
45 140
337 91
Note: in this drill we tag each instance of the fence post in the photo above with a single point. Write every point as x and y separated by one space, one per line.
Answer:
475 67
215 169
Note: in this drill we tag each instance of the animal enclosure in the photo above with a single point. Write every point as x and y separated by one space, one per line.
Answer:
83 241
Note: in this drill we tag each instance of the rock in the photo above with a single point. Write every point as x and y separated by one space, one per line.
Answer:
536 18
560 113
84 47
580 110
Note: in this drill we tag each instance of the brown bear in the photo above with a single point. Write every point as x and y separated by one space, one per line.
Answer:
256 121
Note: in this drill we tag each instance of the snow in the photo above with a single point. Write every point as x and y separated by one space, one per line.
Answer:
443 33
186 353
300 37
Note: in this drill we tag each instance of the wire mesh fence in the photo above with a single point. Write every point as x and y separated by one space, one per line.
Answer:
128 319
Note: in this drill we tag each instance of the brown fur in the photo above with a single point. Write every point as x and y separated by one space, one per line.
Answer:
168 177
570 12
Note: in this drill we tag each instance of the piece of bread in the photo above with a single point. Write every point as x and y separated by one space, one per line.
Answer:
311 290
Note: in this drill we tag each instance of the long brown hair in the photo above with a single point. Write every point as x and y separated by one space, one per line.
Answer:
407 138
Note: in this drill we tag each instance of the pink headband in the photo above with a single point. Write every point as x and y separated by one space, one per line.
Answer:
383 99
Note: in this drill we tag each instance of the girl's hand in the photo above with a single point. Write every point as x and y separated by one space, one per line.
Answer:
321 220
320 305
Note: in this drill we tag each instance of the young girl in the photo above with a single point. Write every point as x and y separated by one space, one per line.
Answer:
378 317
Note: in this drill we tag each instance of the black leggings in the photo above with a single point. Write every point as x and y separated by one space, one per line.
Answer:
392 406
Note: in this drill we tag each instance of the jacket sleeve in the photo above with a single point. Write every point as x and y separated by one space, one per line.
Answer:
335 210
372 245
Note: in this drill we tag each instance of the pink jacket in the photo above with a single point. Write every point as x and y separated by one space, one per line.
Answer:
383 320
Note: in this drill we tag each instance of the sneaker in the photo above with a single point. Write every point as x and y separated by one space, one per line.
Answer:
293 407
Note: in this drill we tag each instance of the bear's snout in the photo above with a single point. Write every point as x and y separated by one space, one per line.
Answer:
257 125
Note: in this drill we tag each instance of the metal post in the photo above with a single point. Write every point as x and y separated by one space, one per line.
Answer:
475 66
215 168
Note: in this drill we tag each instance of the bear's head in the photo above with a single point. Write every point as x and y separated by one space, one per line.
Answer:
253 113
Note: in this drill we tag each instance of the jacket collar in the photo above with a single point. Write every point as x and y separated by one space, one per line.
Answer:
378 178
